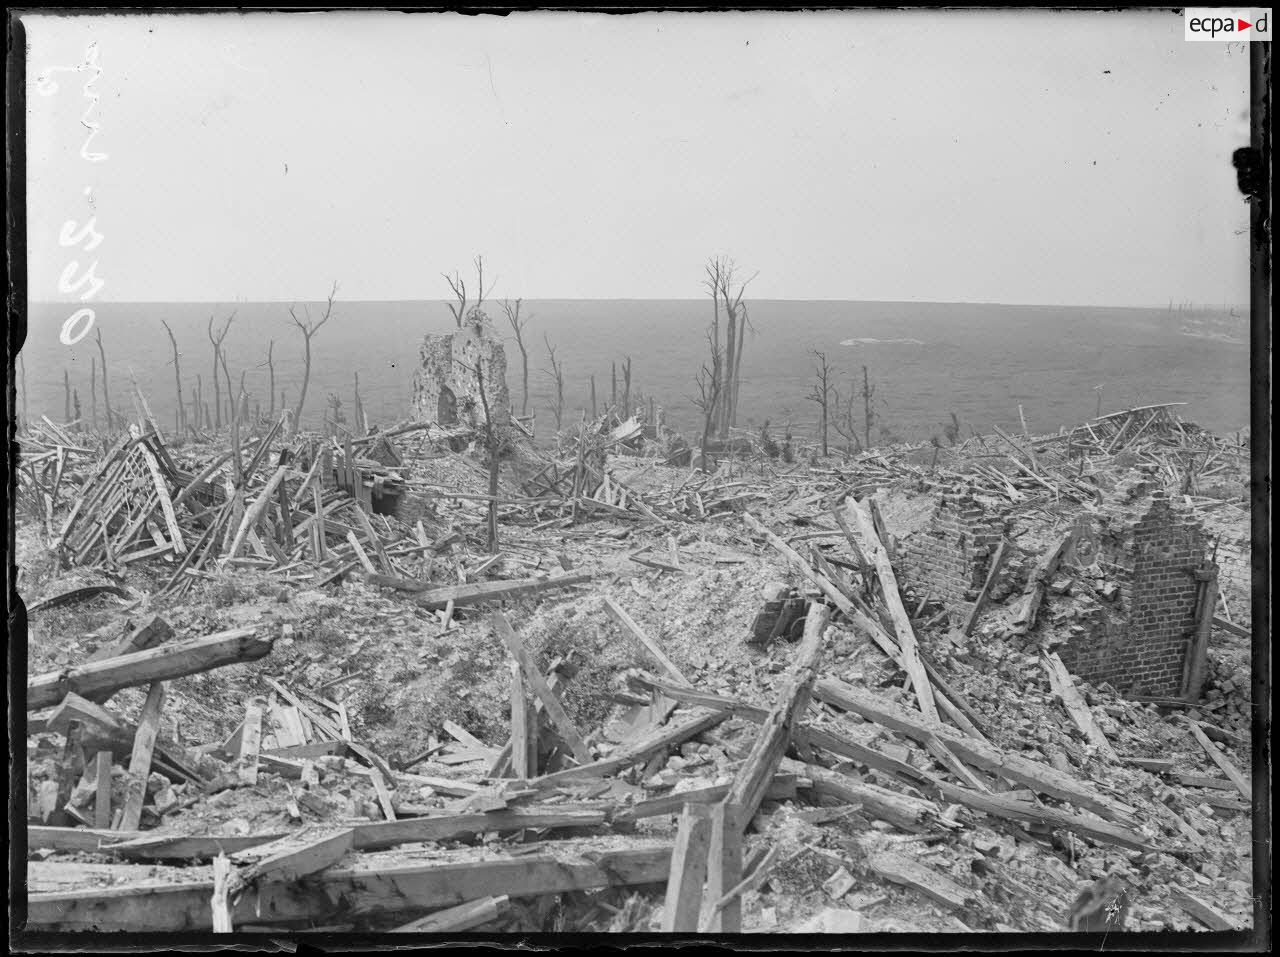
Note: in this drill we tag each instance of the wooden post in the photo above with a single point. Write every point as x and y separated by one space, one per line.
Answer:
688 871
983 595
140 764
102 804
1198 647
724 871
520 744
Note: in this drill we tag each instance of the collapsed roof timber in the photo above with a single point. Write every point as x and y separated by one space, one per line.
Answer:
285 681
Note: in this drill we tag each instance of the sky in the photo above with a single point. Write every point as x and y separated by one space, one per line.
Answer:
1013 156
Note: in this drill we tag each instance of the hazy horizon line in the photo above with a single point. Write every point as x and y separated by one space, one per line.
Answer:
934 302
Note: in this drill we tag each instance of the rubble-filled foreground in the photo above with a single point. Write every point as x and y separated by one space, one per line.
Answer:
284 683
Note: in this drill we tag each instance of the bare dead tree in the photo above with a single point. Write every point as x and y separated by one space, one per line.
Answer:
710 390
720 282
868 415
106 397
271 374
556 372
181 420
309 327
613 396
358 408
216 340
231 399
820 394
517 326
594 413
845 421
459 288
198 400
66 396
626 387
75 408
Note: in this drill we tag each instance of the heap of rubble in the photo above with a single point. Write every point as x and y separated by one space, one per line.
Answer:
288 684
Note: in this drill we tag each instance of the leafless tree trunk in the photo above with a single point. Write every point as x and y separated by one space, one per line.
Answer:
557 377
517 326
197 411
626 388
710 389
459 288
845 422
361 423
231 398
271 373
309 328
593 397
868 416
613 396
75 408
106 396
821 394
66 396
177 375
216 340
720 282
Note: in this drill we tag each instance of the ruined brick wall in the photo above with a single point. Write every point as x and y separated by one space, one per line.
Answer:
1140 643
445 386
949 558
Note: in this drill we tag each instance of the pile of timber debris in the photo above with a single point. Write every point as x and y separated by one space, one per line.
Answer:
607 752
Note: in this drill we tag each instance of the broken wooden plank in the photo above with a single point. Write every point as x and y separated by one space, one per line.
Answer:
154 631
74 839
992 574
724 871
774 738
676 732
533 676
453 827
148 846
292 863
104 678
74 595
102 798
1222 761
438 598
629 625
220 909
521 747
1065 688
249 747
374 884
986 756
688 871
463 917
140 763
1029 607
1210 917
783 787
874 549
756 876
903 870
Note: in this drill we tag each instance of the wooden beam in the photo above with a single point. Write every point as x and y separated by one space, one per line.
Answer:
140 763
1223 762
752 780
437 599
533 676
154 631
1029 608
783 787
102 800
901 869
629 625
380 884
1065 688
657 742
463 917
1201 911
688 871
104 678
992 574
295 861
874 549
1033 774
724 871
254 513
521 745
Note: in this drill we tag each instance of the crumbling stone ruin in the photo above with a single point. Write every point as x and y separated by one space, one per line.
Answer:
446 388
